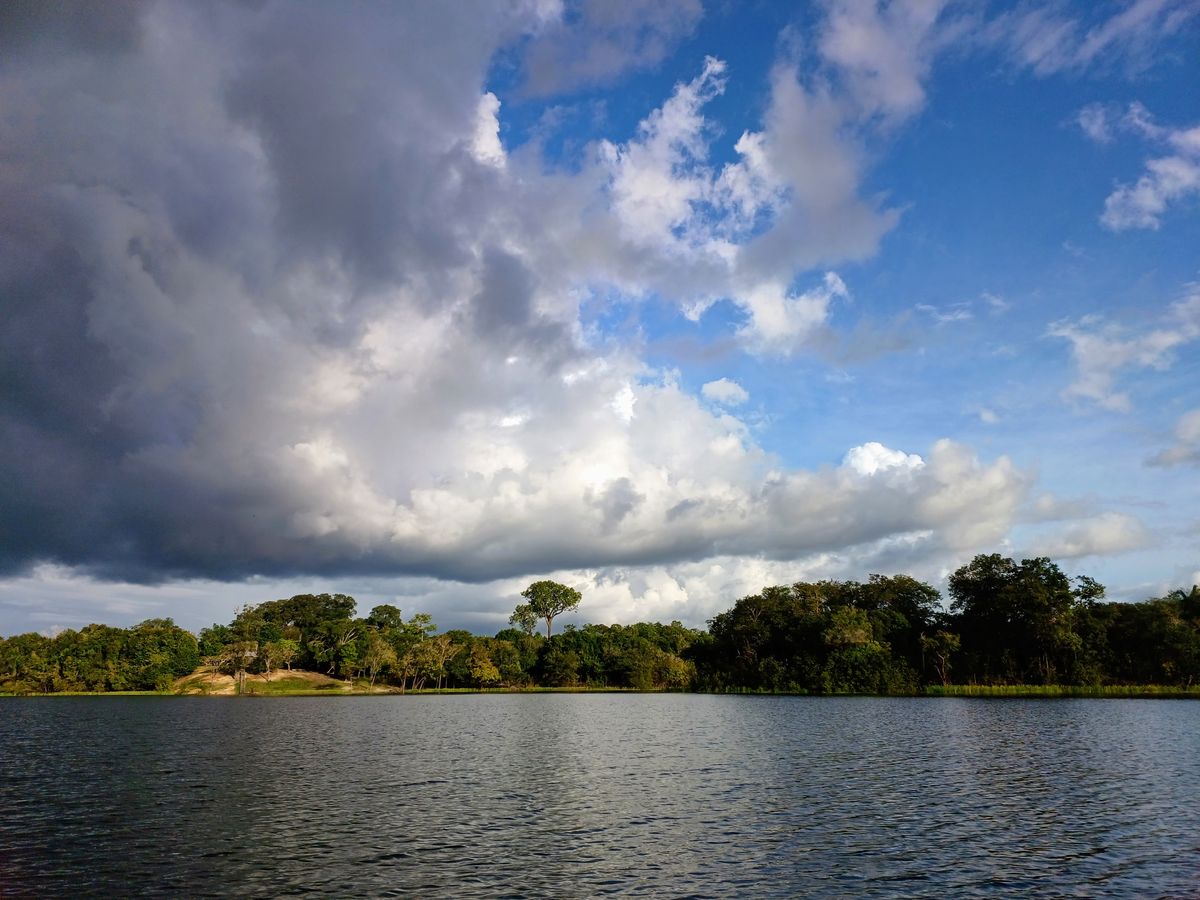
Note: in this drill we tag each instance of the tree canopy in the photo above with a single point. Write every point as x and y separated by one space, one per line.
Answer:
1008 622
548 599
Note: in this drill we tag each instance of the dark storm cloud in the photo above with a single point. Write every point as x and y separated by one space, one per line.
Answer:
617 501
72 25
353 112
145 184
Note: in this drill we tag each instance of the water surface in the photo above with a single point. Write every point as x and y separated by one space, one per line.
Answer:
578 795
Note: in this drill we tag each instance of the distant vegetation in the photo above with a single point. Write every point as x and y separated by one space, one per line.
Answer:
147 657
1011 629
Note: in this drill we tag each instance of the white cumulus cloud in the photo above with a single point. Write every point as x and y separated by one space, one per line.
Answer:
725 391
1106 534
873 457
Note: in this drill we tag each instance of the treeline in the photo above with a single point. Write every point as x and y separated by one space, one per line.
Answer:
147 657
320 632
1007 623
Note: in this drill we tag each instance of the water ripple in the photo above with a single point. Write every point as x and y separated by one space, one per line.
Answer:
586 795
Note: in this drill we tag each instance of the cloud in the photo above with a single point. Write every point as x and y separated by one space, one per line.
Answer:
872 458
1093 119
1102 351
884 52
809 151
1050 508
1048 39
280 302
1168 180
1106 534
485 144
996 304
1186 449
955 312
780 320
595 42
725 392
658 178
743 232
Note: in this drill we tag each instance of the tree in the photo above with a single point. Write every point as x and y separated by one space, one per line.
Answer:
507 659
941 647
333 643
385 617
524 618
560 668
483 670
1017 620
306 618
548 599
427 659
379 654
279 653
156 652
241 654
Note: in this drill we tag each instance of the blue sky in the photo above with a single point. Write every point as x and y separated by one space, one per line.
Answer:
665 300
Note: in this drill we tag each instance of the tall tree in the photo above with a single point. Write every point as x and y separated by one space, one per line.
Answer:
548 599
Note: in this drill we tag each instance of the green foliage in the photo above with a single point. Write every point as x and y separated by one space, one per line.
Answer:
559 667
483 671
1016 620
1010 622
385 617
524 618
1012 629
377 654
940 649
146 657
547 599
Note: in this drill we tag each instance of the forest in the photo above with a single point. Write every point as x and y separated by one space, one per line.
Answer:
1007 623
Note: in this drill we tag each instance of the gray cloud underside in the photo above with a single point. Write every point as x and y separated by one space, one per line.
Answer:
274 304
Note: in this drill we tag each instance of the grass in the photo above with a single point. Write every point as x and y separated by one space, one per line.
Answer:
85 694
1062 690
287 685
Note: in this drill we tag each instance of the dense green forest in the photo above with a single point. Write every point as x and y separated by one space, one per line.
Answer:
1007 623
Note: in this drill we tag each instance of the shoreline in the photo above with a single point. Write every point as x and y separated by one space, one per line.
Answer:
967 691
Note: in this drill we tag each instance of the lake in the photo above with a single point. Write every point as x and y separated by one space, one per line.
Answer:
578 795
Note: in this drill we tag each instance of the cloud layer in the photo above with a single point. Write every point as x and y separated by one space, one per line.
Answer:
283 303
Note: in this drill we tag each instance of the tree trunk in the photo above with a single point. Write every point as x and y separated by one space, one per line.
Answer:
549 621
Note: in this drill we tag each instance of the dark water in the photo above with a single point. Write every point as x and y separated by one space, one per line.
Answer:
581 795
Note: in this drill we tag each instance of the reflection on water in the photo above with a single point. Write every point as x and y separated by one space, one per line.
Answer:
571 795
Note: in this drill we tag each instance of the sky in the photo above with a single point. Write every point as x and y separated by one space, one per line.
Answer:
667 300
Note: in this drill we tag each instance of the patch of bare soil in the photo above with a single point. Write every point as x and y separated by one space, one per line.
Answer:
204 681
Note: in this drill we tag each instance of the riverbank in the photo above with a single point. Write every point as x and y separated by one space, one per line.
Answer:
314 684
1063 690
